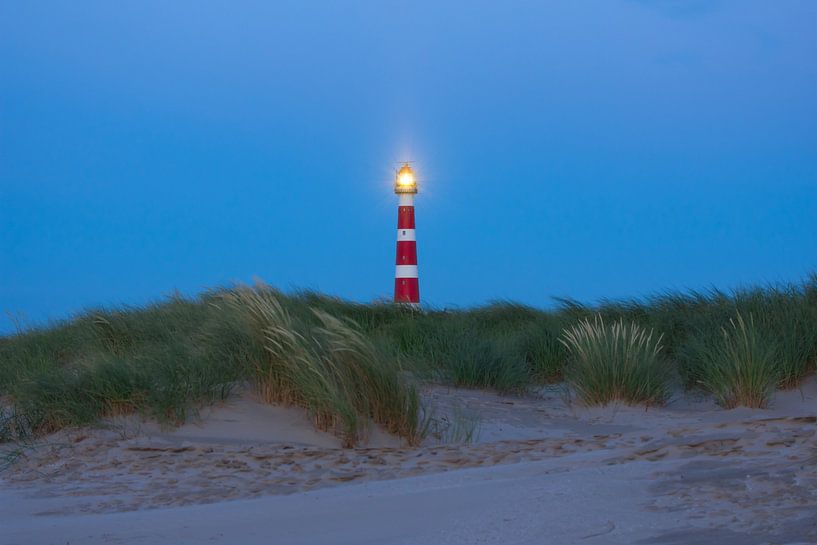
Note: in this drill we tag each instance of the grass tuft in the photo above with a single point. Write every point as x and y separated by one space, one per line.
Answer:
326 366
739 367
618 361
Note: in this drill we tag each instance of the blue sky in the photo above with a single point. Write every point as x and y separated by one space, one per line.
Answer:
583 149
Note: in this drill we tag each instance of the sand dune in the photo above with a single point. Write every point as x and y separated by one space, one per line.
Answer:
541 470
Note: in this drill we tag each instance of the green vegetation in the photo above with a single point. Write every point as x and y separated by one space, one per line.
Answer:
618 361
739 366
349 364
327 367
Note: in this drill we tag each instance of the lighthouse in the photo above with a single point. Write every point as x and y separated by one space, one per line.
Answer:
406 283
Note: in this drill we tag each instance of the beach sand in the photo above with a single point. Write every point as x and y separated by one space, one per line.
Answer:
539 469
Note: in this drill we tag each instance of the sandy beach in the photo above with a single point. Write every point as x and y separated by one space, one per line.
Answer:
538 469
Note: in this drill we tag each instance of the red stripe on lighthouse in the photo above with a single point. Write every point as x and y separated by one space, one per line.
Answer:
407 290
405 217
406 252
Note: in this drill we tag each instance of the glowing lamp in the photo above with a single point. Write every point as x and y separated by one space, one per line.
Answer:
405 181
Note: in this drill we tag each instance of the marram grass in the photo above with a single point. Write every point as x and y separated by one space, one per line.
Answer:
328 367
618 361
349 363
739 367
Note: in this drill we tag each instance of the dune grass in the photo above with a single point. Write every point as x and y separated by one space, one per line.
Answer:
779 322
108 362
164 360
349 363
618 361
502 346
326 366
739 365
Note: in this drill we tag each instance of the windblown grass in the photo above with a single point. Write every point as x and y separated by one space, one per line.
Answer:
616 361
166 359
349 363
103 363
783 322
327 367
738 367
790 320
501 346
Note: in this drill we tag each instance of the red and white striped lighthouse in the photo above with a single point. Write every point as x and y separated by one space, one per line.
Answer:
406 282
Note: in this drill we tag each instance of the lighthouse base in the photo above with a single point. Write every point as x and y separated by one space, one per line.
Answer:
407 290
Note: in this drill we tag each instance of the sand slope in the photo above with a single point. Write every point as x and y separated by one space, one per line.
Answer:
541 471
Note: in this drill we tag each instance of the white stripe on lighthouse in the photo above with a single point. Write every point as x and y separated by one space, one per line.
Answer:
405 234
406 271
